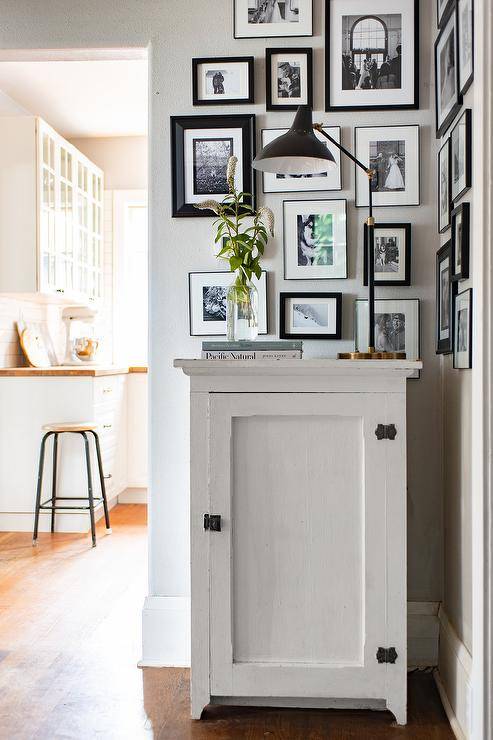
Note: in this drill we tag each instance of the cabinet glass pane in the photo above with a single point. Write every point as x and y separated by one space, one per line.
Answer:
46 149
69 166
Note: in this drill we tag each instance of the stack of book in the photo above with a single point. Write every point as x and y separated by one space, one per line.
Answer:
283 350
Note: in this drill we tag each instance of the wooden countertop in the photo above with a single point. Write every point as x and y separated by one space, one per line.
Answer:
67 371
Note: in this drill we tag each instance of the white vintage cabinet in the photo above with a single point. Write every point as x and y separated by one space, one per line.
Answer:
300 598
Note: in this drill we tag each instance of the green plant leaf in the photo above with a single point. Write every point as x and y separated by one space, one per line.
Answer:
235 263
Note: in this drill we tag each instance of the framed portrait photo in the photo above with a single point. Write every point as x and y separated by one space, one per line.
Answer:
444 196
463 330
460 156
444 300
465 11
447 95
207 302
330 180
392 254
371 60
443 9
272 18
310 316
396 327
392 152
315 239
289 78
460 242
200 149
222 80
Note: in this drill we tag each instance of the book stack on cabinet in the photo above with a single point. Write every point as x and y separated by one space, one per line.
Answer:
252 350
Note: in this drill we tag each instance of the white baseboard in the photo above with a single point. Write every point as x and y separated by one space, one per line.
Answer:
166 632
133 495
453 678
77 523
422 634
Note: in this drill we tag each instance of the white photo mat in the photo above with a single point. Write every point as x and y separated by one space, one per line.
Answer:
462 330
408 307
235 84
447 79
298 23
444 195
297 323
192 135
292 59
444 277
466 48
400 236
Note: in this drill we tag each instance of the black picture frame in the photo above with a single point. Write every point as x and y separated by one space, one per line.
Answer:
412 332
443 228
462 210
269 53
442 16
196 64
467 129
245 123
444 346
272 35
442 125
466 84
285 334
406 281
407 106
457 329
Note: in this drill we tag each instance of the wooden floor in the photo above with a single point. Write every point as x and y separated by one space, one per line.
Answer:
70 641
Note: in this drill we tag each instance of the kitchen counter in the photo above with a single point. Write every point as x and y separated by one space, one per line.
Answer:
68 370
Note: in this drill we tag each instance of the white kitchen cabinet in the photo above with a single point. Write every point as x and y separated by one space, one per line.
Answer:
51 222
300 598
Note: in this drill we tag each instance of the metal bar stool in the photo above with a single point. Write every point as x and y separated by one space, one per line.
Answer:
82 428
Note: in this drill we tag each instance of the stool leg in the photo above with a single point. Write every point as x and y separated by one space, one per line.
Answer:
103 486
40 485
53 483
89 488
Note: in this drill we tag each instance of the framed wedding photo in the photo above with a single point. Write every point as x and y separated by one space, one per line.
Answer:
465 11
222 80
447 95
200 149
460 156
330 180
396 326
272 18
207 302
392 152
460 242
463 330
289 78
444 197
315 239
371 60
444 300
310 316
443 9
392 254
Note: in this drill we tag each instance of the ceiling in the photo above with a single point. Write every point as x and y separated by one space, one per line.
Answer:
96 98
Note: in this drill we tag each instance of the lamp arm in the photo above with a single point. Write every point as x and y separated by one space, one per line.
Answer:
318 127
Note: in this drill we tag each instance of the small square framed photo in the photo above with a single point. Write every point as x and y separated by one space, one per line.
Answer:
207 302
289 78
444 197
443 9
222 80
447 96
465 10
444 300
310 316
396 326
315 239
392 261
460 156
463 330
330 180
460 242
393 154
255 19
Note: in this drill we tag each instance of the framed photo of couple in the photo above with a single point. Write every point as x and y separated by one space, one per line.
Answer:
397 327
222 80
392 255
253 19
289 78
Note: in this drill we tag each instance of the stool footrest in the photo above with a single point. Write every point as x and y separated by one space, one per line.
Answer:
47 505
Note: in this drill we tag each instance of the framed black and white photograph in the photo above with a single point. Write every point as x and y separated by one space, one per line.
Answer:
371 58
392 152
460 242
329 180
444 196
447 95
200 149
310 316
465 11
272 18
444 300
289 78
463 330
315 239
207 302
460 156
443 9
396 326
222 80
392 250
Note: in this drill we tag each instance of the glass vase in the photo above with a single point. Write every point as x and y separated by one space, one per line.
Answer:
242 311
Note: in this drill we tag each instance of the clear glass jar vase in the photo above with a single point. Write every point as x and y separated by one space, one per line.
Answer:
242 311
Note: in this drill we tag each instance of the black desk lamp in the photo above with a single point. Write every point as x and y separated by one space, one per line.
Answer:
299 152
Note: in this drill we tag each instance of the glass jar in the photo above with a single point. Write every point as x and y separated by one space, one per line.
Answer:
242 311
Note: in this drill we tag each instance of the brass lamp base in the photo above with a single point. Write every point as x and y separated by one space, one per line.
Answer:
371 355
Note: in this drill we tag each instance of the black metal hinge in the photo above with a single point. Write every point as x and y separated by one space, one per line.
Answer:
386 655
212 522
386 431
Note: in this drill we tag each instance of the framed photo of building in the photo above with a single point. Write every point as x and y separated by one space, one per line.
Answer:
329 180
289 78
447 96
444 196
371 59
392 152
460 242
465 11
460 156
222 80
445 290
396 326
272 18
463 330
200 149
310 316
392 262
315 239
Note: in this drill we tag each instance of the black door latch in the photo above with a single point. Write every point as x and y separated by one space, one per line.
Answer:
212 522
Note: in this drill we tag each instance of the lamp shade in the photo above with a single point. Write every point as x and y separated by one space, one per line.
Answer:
298 152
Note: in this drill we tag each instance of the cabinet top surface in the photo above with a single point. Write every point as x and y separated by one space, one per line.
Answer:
67 371
356 368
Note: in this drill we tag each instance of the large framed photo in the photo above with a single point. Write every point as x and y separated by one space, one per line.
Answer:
289 78
444 196
447 96
310 316
371 59
272 18
460 242
465 10
396 326
443 9
392 254
207 302
392 152
330 180
315 239
222 80
200 149
444 300
463 330
460 156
